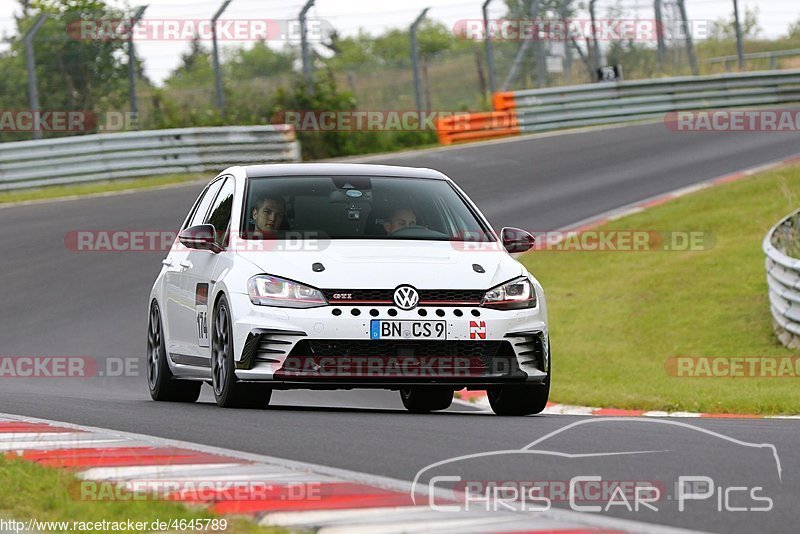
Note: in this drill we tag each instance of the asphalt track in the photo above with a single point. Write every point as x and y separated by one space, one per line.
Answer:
58 302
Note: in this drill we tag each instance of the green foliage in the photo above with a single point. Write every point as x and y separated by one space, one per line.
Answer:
726 28
649 299
392 48
326 144
794 30
260 61
73 74
195 70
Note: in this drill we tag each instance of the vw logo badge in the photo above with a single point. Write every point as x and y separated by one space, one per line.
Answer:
406 297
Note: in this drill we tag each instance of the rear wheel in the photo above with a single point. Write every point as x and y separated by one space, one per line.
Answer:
424 400
519 400
163 385
229 392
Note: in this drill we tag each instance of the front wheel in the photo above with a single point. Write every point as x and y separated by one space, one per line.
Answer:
519 400
229 392
163 385
424 400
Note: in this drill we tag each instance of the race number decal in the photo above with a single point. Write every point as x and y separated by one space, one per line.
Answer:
477 329
201 311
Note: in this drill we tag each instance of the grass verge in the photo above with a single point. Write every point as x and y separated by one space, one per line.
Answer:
46 494
617 317
92 188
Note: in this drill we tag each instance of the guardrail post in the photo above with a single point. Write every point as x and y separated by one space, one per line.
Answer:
305 49
30 62
415 58
217 74
132 68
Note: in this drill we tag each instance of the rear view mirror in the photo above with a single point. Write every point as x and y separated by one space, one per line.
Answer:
200 237
516 240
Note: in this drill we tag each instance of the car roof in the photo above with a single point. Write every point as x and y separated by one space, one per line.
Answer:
339 169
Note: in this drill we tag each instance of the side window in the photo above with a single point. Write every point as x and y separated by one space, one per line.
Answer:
202 207
220 213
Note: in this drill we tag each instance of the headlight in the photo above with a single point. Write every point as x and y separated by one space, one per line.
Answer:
267 290
512 295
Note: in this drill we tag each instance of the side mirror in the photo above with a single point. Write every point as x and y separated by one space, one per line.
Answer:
200 237
516 240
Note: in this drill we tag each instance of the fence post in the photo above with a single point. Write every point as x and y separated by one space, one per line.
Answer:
487 43
307 67
217 74
132 68
33 91
415 58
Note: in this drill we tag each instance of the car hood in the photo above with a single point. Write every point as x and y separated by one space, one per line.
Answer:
378 264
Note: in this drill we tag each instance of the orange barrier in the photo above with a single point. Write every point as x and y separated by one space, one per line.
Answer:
476 126
503 101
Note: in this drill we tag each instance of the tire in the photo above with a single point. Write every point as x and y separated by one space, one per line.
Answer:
162 384
229 392
426 399
519 400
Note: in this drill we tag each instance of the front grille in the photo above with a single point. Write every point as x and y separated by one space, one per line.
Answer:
368 347
441 297
401 359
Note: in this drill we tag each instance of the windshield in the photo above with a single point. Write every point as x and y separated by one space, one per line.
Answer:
342 207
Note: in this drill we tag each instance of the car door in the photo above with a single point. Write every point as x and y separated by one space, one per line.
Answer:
203 268
179 316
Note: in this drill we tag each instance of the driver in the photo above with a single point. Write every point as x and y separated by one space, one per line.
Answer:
268 214
400 218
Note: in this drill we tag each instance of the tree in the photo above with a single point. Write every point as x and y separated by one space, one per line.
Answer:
794 30
75 72
260 61
725 29
392 47
195 69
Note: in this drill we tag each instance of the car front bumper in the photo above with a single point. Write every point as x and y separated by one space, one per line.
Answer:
327 349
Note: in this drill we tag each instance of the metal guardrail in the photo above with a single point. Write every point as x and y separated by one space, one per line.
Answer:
130 154
783 281
772 56
614 102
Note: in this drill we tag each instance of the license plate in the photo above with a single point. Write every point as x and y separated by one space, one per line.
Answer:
380 329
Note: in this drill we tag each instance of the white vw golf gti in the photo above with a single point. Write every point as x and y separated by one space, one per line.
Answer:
341 276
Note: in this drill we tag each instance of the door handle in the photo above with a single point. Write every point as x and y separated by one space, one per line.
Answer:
167 262
186 264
